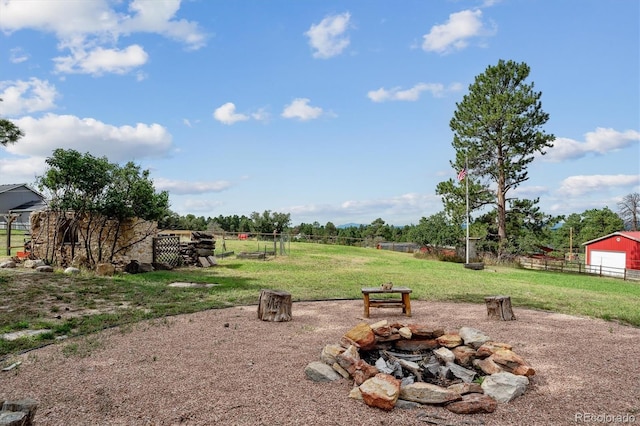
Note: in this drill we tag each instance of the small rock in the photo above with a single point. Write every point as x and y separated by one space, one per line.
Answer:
473 403
8 264
321 372
72 271
405 332
472 337
445 355
44 268
449 340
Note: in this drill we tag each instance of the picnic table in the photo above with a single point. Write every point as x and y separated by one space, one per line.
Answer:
404 302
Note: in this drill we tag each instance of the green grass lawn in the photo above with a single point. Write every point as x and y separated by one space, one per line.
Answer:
16 243
309 272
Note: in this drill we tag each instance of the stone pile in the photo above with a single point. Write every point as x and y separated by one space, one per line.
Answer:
409 365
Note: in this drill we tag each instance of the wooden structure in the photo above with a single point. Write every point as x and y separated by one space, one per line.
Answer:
404 302
274 305
613 254
499 307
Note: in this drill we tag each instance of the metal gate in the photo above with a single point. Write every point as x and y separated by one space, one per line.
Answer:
167 250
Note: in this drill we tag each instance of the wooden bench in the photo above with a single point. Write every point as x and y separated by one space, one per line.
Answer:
404 302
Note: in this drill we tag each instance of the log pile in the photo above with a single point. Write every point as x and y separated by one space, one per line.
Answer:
201 246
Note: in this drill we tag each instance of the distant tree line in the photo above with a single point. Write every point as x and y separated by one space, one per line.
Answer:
529 229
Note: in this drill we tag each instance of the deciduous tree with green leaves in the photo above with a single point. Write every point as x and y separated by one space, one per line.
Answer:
102 195
497 131
436 231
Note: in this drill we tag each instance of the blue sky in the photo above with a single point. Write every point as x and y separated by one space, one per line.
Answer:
329 110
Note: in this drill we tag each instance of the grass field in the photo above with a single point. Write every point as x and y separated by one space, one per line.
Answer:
16 243
72 305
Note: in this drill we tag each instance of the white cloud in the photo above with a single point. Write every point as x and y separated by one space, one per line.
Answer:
226 114
20 97
20 170
456 32
301 110
580 185
158 17
17 55
328 37
90 30
412 94
99 61
200 206
601 141
117 143
261 115
185 187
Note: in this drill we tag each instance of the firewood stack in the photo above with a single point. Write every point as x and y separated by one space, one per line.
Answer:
201 246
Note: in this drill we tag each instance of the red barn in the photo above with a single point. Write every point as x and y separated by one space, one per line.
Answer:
614 252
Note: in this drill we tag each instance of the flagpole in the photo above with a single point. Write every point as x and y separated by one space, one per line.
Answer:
466 182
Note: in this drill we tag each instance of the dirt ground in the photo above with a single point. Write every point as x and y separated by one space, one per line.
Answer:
225 366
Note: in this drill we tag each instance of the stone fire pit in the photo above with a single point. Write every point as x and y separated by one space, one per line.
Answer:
410 365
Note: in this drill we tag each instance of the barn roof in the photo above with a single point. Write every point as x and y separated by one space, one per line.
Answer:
632 235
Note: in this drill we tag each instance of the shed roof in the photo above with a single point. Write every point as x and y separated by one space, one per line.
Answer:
632 235
12 186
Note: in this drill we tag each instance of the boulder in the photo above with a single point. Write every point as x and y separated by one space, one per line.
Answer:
321 372
25 406
361 336
105 269
488 366
44 268
329 353
381 391
33 263
444 355
465 388
489 348
464 355
358 369
473 403
72 271
473 337
416 345
425 332
426 393
8 264
504 386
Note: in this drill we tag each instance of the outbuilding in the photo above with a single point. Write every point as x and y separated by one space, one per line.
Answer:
17 202
613 254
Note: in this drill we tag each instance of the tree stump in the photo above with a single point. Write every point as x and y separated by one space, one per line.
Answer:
499 307
274 305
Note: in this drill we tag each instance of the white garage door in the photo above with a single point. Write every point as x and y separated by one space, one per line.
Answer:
611 262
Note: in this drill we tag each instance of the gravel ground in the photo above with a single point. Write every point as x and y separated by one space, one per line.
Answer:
227 367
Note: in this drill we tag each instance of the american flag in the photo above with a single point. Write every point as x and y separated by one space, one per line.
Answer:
462 174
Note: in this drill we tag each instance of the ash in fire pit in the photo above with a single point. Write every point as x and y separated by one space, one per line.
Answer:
465 370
